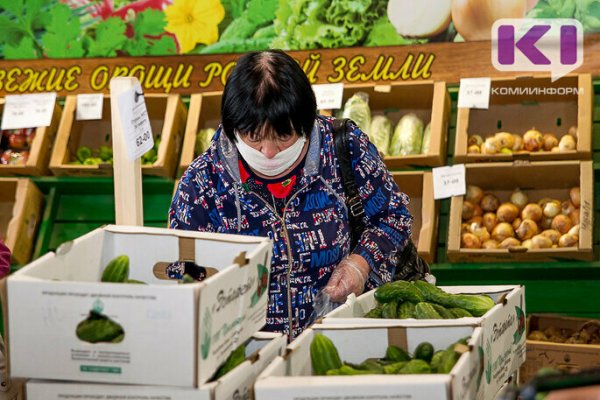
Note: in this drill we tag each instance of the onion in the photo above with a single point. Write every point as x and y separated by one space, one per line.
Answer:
567 143
573 131
546 223
465 228
474 140
480 231
491 146
574 230
489 202
550 141
519 199
490 244
502 231
474 149
567 207
540 242
478 219
575 196
568 240
532 211
468 210
473 19
474 194
527 243
507 212
509 242
470 241
562 223
505 139
532 140
516 223
419 19
527 229
490 220
552 234
552 208
518 144
575 216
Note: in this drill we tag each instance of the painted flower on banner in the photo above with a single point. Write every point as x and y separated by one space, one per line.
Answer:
194 22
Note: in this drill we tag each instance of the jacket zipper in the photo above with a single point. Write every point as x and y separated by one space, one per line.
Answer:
289 250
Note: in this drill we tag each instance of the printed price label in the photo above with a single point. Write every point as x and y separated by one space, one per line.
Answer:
329 95
28 110
474 93
449 181
89 106
135 122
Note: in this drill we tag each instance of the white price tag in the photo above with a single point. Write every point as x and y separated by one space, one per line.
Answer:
449 181
89 106
28 110
329 95
474 93
135 122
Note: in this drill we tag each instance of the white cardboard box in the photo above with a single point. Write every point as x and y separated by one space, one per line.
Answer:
175 335
261 349
503 327
290 377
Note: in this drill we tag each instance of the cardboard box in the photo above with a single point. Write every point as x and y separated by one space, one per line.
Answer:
290 377
563 356
503 327
430 101
175 334
537 180
40 150
418 185
551 107
20 213
167 117
261 349
204 112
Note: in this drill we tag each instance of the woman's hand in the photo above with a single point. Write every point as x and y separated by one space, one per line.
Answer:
349 276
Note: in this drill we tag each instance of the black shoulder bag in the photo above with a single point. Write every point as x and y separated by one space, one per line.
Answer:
409 266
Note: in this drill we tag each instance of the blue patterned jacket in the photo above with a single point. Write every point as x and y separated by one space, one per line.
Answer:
312 235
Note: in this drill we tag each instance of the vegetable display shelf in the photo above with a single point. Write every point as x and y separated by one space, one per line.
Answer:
77 205
550 286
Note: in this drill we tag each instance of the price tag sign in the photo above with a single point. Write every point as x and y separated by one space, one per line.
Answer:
449 181
135 122
329 95
89 106
28 110
474 93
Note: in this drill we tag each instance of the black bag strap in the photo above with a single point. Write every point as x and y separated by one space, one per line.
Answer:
410 266
353 201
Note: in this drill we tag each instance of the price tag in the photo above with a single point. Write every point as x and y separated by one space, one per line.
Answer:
474 93
89 106
449 181
135 122
329 95
28 110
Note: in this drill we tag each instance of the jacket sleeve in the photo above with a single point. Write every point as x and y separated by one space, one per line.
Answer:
387 219
191 204
4 260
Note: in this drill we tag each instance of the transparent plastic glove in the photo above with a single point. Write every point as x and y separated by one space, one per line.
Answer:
347 277
322 305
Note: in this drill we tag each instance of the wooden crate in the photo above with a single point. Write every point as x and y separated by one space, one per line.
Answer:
167 117
20 213
538 180
204 112
418 185
430 101
39 153
515 112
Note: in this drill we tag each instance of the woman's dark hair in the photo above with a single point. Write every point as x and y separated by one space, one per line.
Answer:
268 88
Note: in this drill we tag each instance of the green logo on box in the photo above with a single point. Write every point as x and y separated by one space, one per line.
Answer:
100 368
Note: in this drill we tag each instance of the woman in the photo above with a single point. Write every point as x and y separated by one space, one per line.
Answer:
271 170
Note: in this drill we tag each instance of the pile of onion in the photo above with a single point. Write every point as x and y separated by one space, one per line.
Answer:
531 141
488 223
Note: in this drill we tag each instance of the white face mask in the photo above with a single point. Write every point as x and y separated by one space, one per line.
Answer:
270 166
